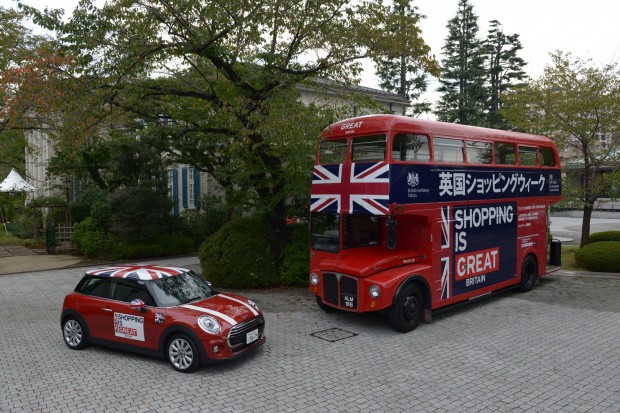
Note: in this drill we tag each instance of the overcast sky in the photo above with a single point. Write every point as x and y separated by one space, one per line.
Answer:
586 29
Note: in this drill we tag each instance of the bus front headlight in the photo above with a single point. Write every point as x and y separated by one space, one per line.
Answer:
314 279
374 291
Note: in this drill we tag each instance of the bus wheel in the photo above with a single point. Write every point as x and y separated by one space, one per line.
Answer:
323 306
406 312
528 274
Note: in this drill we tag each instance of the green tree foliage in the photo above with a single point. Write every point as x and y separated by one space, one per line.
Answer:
403 74
575 103
504 71
226 72
463 73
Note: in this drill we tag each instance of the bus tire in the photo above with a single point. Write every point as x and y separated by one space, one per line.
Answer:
529 274
406 311
323 306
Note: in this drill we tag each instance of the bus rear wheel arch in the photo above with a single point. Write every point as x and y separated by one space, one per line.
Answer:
529 273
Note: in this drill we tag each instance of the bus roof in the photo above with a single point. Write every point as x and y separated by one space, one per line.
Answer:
381 123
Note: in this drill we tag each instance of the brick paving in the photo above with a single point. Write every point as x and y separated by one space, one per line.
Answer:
550 350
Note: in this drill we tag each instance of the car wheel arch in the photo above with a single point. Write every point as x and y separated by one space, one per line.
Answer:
72 313
170 331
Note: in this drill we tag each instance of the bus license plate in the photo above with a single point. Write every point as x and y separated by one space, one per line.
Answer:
251 337
348 301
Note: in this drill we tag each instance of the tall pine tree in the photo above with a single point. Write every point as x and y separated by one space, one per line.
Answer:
403 74
463 74
505 71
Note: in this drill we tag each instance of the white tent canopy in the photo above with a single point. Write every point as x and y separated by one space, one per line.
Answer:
15 183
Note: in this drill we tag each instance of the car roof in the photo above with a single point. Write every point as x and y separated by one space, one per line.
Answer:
138 271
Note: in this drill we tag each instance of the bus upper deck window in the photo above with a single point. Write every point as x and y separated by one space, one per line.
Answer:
333 152
448 150
368 148
410 147
528 155
547 157
505 154
479 152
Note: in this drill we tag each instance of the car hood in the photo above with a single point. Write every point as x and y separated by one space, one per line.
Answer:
228 308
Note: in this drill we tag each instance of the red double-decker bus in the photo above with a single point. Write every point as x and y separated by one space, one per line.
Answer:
409 216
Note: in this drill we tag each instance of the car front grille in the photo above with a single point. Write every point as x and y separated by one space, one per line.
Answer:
340 290
236 336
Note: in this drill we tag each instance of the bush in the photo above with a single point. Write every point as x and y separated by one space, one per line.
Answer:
141 251
600 256
200 225
92 242
173 244
296 260
239 255
81 205
604 236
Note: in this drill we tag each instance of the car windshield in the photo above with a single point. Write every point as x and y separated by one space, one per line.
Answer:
181 289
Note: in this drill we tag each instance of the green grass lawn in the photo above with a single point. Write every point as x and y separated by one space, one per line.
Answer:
568 258
8 239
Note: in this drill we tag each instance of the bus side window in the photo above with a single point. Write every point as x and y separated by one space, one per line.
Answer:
479 152
547 157
528 155
505 154
410 147
448 150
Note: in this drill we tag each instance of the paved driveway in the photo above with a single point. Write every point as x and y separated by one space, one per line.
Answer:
555 349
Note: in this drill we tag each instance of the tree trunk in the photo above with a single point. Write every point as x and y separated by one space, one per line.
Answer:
585 224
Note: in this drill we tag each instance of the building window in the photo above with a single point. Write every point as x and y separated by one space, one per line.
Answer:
190 187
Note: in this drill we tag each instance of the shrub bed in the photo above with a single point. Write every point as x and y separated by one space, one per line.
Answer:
239 255
600 256
296 260
604 236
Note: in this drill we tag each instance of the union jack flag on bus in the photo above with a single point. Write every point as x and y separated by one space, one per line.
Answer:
349 188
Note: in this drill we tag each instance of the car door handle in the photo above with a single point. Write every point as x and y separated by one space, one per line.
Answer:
106 309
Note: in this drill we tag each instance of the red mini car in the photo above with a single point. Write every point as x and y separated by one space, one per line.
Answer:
162 311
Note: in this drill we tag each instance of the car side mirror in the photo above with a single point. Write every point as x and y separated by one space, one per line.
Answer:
138 304
208 283
391 233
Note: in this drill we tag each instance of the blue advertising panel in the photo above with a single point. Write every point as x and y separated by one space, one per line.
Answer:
484 245
421 183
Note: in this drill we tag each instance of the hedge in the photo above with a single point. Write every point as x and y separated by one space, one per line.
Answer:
600 256
604 236
239 255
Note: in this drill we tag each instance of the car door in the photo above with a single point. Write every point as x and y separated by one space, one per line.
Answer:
94 306
129 325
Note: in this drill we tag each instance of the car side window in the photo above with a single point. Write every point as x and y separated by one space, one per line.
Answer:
97 287
128 290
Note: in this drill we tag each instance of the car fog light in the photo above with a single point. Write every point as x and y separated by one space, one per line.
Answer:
216 349
374 291
314 279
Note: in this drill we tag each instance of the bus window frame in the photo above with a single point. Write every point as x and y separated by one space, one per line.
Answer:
405 132
540 157
468 162
463 151
508 165
346 154
351 140
535 147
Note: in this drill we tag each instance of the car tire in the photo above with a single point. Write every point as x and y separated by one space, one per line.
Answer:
182 353
323 306
74 334
405 313
529 274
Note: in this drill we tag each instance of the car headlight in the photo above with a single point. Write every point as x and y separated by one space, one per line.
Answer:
253 304
314 279
374 291
209 324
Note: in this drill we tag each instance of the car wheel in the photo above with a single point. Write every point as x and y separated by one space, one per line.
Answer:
183 354
406 312
528 274
74 334
323 306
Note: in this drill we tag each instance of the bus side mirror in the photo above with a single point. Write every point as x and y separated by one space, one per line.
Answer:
391 233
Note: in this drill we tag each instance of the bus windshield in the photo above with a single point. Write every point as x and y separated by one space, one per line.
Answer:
360 231
325 230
